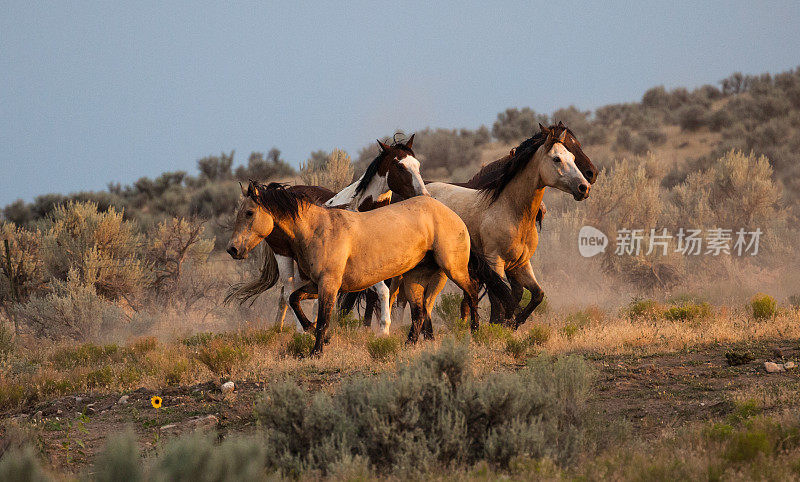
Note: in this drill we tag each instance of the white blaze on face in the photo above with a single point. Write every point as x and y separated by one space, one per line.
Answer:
562 174
412 165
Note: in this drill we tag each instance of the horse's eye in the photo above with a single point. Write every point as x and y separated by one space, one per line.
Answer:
556 159
249 213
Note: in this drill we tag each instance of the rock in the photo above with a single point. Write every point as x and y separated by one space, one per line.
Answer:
123 399
194 424
227 388
789 365
771 367
90 410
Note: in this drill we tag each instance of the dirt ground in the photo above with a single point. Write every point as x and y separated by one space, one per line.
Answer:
651 393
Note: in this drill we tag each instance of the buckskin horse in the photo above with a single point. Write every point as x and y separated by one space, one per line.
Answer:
395 171
340 250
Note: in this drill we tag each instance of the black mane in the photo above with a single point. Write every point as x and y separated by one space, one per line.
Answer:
522 156
375 165
279 201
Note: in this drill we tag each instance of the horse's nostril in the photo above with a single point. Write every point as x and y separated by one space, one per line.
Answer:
232 251
583 188
588 175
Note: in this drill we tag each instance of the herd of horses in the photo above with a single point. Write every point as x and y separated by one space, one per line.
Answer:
391 235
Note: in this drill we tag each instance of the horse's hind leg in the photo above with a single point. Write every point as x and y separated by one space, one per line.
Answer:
434 286
470 288
307 291
414 292
524 276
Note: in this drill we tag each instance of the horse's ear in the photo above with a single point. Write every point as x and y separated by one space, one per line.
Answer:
544 129
410 140
562 136
560 124
244 189
382 145
252 190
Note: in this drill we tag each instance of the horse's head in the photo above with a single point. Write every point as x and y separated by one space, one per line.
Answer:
558 168
401 168
257 213
581 160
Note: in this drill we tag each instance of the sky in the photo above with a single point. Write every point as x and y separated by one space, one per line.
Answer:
92 93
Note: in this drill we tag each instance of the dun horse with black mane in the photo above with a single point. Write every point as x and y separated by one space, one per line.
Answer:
348 251
501 205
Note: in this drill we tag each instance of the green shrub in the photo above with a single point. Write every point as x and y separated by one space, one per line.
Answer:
383 348
198 458
517 124
100 247
198 339
430 413
517 348
448 310
143 345
260 337
119 460
747 445
301 345
21 465
87 354
688 311
72 310
644 308
692 117
6 341
334 170
763 306
102 377
492 334
348 322
744 410
538 335
221 357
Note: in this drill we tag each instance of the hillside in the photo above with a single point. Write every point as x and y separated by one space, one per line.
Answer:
681 128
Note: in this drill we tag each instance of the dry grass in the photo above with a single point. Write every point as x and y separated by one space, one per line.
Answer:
42 371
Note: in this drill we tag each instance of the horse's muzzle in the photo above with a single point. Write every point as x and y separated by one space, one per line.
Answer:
582 191
234 252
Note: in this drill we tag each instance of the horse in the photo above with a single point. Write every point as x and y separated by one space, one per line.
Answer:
492 171
340 250
501 213
395 170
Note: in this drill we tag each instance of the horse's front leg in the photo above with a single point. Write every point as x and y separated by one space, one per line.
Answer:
307 291
328 291
524 276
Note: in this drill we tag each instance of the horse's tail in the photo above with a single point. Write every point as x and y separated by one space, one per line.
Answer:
350 300
480 270
242 292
